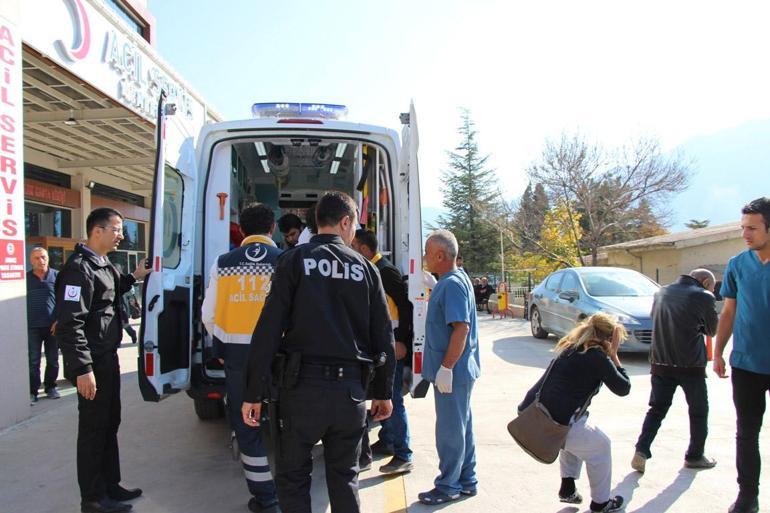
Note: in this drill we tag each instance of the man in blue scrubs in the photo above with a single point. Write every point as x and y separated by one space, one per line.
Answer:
746 316
451 363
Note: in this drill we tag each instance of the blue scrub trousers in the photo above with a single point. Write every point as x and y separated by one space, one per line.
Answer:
455 444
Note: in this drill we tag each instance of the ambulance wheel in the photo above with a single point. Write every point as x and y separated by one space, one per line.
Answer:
209 409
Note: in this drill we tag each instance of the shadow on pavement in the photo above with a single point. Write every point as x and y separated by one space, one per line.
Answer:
670 494
626 487
418 506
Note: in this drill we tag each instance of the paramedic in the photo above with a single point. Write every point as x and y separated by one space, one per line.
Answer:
238 284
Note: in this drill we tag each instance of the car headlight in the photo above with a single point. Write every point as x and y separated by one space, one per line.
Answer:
625 319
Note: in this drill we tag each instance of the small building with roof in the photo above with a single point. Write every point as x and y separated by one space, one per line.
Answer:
664 257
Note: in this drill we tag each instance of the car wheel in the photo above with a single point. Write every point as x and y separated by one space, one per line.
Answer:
534 322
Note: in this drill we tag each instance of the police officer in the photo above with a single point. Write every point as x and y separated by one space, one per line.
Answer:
238 285
326 307
89 330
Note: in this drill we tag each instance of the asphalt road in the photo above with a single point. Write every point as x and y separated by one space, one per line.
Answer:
185 466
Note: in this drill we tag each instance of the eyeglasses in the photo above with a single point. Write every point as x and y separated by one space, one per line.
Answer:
114 229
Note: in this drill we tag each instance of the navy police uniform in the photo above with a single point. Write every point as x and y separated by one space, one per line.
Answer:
326 303
89 331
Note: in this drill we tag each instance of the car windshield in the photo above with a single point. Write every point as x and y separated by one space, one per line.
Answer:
618 283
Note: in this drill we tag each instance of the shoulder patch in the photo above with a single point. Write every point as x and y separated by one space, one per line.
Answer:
72 293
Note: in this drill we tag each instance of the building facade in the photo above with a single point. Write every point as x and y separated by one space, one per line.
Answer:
79 89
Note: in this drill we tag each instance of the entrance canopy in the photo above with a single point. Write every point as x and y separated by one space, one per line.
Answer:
69 121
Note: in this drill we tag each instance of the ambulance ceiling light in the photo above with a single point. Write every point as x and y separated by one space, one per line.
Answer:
340 150
260 146
335 167
299 110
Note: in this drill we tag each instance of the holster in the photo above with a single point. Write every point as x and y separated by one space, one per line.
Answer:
285 369
367 376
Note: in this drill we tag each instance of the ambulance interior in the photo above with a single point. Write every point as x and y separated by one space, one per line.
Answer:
290 175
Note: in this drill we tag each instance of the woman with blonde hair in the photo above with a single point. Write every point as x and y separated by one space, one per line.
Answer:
586 357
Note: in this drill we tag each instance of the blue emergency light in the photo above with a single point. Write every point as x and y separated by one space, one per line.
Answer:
299 110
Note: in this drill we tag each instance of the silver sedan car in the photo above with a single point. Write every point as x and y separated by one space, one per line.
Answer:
568 296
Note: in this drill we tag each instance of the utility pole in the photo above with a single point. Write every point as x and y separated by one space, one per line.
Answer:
502 258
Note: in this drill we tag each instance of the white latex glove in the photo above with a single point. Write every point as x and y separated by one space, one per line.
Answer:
444 380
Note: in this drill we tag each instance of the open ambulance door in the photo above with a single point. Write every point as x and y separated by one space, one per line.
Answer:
167 306
418 292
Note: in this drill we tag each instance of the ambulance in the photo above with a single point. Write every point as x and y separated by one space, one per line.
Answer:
286 156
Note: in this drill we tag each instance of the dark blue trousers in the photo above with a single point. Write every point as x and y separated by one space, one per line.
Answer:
330 411
253 451
749 396
661 396
39 338
395 429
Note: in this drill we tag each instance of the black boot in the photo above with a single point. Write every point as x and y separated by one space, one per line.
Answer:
105 505
118 493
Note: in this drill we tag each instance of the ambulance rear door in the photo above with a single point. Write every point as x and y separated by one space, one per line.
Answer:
418 292
167 308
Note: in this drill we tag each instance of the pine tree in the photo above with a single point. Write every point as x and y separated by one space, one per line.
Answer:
530 215
470 192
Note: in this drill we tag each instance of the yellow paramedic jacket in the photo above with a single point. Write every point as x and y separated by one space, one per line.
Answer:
238 285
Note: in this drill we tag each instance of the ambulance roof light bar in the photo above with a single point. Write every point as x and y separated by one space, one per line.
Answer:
299 110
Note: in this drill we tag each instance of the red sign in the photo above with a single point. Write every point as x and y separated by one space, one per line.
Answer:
46 193
11 167
11 259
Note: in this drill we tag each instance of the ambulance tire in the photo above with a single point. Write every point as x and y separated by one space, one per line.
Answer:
209 409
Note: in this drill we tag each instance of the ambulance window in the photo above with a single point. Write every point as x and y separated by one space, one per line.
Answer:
172 218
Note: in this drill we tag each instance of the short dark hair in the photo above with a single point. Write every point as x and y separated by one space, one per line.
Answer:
100 216
256 219
289 221
759 206
333 207
367 238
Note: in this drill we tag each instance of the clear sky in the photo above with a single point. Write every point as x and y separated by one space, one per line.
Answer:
614 70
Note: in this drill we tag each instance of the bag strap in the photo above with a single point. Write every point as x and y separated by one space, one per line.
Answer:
545 377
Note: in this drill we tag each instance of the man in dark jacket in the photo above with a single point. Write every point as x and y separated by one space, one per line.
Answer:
89 330
394 433
682 313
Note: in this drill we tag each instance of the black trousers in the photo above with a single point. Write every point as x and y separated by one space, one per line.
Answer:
98 421
37 339
333 412
661 395
749 391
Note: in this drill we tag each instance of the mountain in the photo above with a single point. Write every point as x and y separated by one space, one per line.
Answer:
731 168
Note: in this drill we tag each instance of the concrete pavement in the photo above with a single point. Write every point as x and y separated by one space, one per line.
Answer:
184 464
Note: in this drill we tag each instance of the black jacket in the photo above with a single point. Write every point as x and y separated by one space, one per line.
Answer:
574 379
326 302
396 289
88 310
681 314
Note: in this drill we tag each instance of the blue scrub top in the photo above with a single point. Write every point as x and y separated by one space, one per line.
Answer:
452 300
747 281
